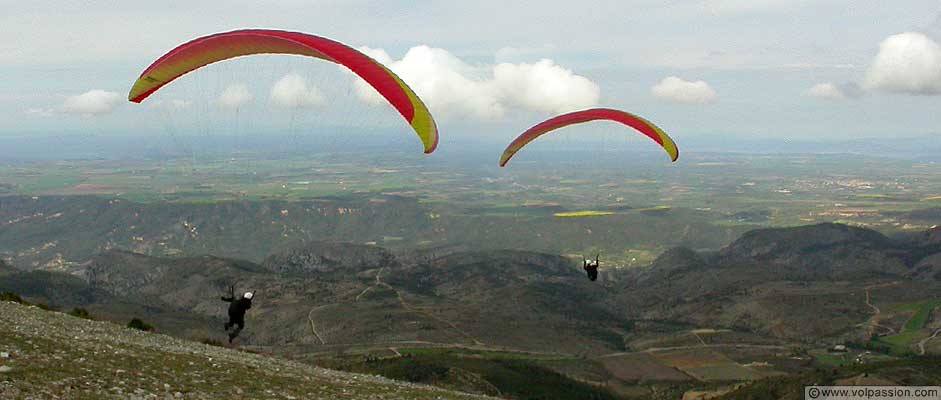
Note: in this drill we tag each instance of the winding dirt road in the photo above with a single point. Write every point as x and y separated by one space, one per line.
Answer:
873 321
921 344
313 328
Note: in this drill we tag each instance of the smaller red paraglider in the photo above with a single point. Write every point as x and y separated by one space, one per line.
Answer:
577 117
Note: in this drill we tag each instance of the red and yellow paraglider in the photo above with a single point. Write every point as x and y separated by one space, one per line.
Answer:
223 46
577 117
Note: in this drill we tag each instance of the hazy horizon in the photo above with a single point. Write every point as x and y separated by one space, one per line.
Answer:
485 151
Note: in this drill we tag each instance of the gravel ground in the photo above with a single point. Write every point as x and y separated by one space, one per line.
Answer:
51 355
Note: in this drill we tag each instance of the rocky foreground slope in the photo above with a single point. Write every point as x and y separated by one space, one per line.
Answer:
46 354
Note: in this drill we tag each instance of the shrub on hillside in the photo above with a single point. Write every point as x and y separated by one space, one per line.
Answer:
140 325
10 296
80 313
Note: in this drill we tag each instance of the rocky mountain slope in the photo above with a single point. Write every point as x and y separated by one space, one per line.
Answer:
802 283
46 354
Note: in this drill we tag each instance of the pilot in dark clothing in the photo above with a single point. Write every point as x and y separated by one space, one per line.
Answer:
237 310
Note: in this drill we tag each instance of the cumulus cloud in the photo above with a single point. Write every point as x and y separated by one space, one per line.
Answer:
442 80
826 91
292 91
830 91
907 63
39 112
92 102
452 86
235 96
682 91
545 86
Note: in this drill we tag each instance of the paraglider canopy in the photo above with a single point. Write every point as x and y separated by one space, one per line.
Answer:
577 117
223 46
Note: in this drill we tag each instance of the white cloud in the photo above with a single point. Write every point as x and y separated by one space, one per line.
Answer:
682 91
92 102
447 84
908 63
545 86
235 96
292 91
451 86
826 91
40 112
830 91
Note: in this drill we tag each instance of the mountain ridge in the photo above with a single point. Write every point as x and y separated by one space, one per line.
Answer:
359 294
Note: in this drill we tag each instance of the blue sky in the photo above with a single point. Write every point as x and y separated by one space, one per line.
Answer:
752 68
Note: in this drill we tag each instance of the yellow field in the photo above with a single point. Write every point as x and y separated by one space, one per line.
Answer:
579 214
655 209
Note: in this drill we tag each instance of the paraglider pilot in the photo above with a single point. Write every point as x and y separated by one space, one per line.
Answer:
591 267
237 308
